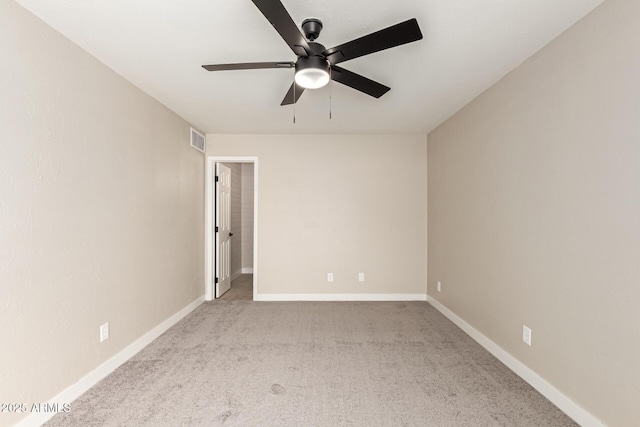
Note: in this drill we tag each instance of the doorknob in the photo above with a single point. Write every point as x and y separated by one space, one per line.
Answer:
230 234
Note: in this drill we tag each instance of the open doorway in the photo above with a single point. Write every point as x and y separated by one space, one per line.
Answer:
231 244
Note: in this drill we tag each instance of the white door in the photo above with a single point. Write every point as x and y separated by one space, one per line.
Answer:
223 229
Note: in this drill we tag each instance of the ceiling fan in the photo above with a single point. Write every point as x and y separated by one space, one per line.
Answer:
316 65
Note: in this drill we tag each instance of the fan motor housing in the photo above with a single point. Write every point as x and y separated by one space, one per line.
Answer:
312 28
314 62
316 49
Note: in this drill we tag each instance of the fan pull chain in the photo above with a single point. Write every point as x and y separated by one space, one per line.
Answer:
294 97
330 91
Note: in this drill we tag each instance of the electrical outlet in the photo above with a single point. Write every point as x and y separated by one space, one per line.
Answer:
330 277
104 332
526 335
439 287
360 277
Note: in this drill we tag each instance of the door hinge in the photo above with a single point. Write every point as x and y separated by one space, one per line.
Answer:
216 280
217 179
216 229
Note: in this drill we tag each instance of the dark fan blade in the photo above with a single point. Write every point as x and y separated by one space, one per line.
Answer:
288 98
396 35
248 66
278 16
358 82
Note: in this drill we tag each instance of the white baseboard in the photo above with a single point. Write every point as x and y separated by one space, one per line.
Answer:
340 297
93 377
247 270
568 406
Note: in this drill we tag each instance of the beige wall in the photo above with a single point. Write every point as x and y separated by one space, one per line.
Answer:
340 204
534 212
101 211
247 216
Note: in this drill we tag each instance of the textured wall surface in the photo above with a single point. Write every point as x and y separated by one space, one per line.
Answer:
101 211
534 212
342 204
247 215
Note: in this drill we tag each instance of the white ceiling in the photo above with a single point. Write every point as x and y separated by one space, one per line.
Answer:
160 46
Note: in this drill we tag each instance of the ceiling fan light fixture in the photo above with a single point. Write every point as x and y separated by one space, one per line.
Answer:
316 65
312 72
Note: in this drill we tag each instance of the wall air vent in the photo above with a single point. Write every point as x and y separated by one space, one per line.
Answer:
197 140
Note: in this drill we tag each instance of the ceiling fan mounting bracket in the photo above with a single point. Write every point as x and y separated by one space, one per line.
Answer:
311 28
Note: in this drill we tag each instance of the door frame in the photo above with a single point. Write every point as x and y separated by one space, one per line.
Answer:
210 220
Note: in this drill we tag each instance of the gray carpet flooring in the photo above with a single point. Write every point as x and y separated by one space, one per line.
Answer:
244 363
